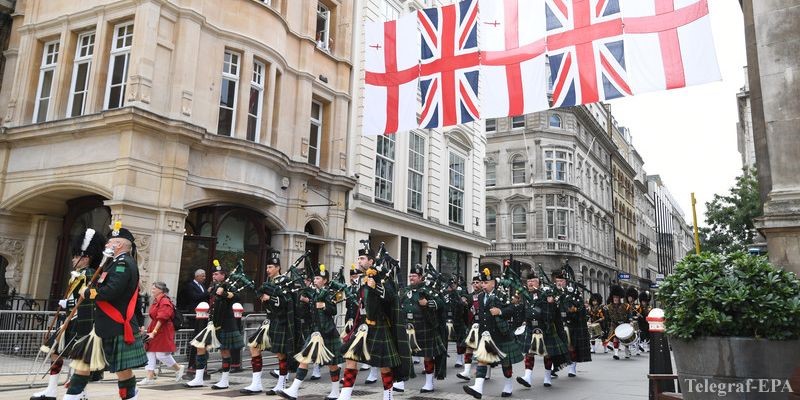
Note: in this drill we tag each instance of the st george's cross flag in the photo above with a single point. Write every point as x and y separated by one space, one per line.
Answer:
449 64
513 78
391 64
585 50
668 44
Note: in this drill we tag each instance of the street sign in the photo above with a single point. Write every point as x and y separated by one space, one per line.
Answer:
654 285
659 277
623 276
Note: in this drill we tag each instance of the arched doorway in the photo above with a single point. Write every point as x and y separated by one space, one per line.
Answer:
228 234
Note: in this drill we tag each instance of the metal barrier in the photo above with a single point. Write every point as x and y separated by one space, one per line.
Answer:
25 320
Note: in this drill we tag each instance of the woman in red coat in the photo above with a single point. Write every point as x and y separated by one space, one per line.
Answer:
160 340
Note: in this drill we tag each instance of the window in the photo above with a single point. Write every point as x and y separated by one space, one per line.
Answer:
80 75
517 170
556 218
491 175
518 122
456 192
557 165
118 67
315 133
323 27
491 125
555 121
518 223
228 93
256 99
389 11
384 168
46 76
416 168
491 223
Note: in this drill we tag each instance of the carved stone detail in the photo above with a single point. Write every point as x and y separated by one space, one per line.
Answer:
14 251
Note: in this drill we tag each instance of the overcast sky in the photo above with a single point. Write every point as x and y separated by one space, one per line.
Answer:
688 136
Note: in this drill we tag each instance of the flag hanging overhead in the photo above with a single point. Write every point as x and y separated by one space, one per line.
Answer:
392 72
668 44
513 78
449 64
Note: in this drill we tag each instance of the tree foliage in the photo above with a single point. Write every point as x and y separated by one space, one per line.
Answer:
729 218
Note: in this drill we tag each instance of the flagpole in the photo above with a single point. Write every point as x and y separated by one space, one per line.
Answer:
694 219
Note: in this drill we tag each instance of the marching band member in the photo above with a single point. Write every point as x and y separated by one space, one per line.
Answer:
497 343
457 302
631 295
642 310
617 313
276 334
229 336
574 316
597 316
115 294
351 304
420 306
87 252
473 318
323 339
532 284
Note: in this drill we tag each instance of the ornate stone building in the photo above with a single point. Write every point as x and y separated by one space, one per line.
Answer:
625 239
210 130
548 193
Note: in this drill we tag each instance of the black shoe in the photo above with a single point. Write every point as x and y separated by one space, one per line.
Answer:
472 392
426 390
466 378
523 382
314 378
394 389
505 394
215 387
285 395
458 365
271 392
547 385
368 382
42 398
553 375
249 392
236 370
273 374
191 386
616 357
571 375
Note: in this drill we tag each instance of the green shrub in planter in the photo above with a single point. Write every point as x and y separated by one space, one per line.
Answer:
731 295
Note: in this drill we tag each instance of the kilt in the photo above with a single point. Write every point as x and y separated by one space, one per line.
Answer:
381 346
579 338
121 356
556 348
429 340
230 340
280 337
508 345
334 344
524 340
459 332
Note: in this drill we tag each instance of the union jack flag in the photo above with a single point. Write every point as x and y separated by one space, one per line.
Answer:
585 51
449 64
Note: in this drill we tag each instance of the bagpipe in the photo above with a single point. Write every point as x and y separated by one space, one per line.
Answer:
235 282
315 351
510 283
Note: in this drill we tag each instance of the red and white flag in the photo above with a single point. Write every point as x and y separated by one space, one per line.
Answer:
668 44
513 78
391 66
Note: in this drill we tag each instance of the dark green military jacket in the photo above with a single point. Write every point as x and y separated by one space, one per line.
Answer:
117 285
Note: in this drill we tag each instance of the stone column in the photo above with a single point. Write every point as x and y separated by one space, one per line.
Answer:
775 39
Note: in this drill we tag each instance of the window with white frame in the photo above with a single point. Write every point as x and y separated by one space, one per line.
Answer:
384 168
518 122
118 67
390 12
556 217
518 170
229 89
491 223
323 26
491 174
519 228
46 77
416 170
80 75
557 165
315 133
256 100
491 125
456 189
555 121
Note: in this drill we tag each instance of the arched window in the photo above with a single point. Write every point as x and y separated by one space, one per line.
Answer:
518 223
491 223
517 170
555 121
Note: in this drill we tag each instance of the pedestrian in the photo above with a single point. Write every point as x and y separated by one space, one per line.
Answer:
194 292
160 335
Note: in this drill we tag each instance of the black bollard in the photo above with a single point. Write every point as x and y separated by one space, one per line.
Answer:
660 359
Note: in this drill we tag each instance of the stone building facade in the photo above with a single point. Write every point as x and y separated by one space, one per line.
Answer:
210 131
623 174
419 191
548 193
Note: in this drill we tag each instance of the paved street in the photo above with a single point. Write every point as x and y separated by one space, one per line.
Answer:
603 378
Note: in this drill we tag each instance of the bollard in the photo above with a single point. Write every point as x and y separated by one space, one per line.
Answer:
660 359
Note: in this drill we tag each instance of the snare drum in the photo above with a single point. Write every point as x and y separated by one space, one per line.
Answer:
595 331
625 333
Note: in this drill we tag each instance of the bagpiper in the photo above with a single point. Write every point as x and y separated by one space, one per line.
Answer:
617 313
116 297
323 345
472 318
496 344
574 315
276 332
87 253
457 303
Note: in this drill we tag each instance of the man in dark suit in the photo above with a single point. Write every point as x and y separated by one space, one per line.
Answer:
194 292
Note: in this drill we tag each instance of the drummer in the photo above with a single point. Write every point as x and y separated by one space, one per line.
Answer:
617 313
597 322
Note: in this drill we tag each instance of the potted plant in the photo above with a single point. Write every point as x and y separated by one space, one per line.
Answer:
733 322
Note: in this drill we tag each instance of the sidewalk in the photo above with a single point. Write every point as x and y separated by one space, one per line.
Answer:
601 379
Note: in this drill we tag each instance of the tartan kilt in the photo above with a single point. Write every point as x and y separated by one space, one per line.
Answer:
429 340
230 340
524 340
334 344
459 332
279 336
556 348
508 345
579 337
381 346
121 356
